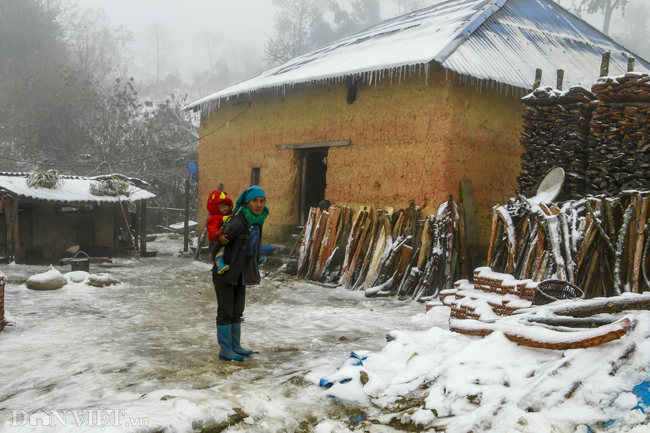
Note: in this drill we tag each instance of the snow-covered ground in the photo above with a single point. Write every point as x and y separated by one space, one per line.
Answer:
142 356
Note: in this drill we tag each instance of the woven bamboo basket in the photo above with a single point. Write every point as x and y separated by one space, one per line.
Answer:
555 290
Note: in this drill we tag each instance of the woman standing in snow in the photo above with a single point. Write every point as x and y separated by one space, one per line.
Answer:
242 253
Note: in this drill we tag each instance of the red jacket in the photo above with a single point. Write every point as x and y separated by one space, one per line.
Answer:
216 220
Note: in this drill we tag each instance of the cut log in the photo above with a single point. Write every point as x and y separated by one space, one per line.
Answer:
329 240
493 233
636 265
303 260
381 251
317 245
542 338
373 235
352 242
594 306
332 269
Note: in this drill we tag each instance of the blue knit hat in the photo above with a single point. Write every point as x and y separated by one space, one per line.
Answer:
248 195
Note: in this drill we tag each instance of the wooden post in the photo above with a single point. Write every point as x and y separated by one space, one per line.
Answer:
538 78
199 244
136 238
9 217
143 229
630 64
448 284
302 218
604 65
560 78
637 282
186 228
495 223
471 225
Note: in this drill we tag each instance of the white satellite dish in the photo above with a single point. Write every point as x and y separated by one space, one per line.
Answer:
550 187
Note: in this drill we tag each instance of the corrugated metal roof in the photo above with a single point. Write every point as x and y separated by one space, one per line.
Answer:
503 41
75 189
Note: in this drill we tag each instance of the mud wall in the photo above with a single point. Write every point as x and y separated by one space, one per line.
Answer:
410 142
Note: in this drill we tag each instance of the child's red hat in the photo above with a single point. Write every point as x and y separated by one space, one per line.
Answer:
216 198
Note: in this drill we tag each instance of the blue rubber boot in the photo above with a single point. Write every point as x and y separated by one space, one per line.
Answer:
236 341
224 335
221 266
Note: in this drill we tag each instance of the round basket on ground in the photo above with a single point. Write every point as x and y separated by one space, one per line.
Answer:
555 290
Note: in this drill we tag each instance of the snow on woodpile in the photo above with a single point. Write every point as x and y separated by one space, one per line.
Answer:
599 137
556 125
384 252
492 295
439 380
598 243
619 135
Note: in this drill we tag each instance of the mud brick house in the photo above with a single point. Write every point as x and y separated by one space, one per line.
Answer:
398 113
40 224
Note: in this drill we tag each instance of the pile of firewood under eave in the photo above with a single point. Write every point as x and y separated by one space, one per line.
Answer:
556 126
600 138
631 87
383 252
619 143
598 243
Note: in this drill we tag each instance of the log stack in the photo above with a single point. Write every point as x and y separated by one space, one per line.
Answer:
631 87
384 252
598 243
556 126
492 294
600 138
619 137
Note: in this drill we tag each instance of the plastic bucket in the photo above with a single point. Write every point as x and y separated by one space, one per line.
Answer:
81 263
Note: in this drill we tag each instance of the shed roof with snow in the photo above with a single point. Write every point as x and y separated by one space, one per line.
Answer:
502 41
74 189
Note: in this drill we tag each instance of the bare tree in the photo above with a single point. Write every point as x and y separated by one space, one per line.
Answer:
607 7
159 53
294 25
406 6
634 31
97 50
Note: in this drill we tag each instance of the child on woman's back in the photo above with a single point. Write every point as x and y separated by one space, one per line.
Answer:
220 209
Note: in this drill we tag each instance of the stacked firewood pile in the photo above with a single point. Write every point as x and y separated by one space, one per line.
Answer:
3 280
598 243
384 252
631 87
600 138
492 294
556 126
619 135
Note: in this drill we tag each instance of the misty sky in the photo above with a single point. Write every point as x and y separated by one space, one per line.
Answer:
243 21
234 22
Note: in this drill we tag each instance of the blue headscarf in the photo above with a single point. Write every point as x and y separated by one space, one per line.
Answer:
248 195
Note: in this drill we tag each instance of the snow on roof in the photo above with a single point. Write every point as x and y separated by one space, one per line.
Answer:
502 41
75 189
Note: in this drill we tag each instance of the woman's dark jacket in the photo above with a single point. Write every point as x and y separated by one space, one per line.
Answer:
238 233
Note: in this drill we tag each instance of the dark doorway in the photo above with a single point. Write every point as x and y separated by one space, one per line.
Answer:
314 179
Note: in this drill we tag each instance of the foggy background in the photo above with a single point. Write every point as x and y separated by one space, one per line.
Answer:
204 35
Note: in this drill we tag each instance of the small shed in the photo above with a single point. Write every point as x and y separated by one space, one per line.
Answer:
41 224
